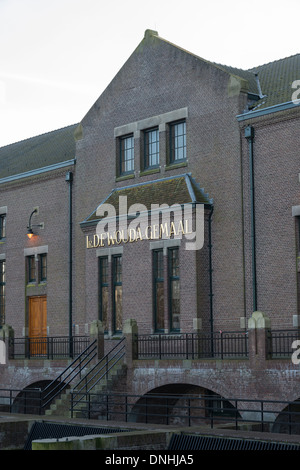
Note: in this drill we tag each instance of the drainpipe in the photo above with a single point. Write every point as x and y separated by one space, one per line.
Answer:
69 179
210 280
249 134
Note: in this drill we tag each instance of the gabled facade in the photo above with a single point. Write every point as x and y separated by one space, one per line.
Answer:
160 87
177 150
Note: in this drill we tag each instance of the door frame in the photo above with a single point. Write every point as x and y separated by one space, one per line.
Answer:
37 340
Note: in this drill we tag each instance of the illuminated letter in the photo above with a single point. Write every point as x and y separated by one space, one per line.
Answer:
96 241
110 239
154 232
147 232
172 229
88 242
163 232
180 229
139 234
132 238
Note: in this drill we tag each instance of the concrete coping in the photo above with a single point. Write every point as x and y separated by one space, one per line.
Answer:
131 439
259 320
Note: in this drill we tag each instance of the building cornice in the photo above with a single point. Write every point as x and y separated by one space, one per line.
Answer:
37 171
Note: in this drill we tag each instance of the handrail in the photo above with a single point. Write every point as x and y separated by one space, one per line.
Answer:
192 409
231 344
96 372
50 347
62 381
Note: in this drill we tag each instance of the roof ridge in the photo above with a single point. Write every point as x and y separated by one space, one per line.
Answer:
27 139
215 64
272 62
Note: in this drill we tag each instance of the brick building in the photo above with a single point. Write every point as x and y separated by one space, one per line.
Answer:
217 145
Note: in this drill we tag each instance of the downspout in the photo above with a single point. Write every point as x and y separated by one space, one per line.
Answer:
249 134
69 179
210 280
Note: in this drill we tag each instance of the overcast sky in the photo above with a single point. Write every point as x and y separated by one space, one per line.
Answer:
58 56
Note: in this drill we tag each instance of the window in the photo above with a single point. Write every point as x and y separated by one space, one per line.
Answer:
31 268
103 291
43 267
166 288
2 291
126 154
151 148
117 293
177 142
174 288
2 226
158 281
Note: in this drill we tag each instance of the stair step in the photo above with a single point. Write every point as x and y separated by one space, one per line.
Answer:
61 406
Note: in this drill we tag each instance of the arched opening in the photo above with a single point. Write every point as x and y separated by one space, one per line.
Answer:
288 420
182 404
31 398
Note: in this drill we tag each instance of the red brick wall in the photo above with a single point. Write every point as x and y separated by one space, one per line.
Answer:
276 170
50 193
159 78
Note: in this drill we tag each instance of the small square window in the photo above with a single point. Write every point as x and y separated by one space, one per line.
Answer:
126 154
151 148
177 142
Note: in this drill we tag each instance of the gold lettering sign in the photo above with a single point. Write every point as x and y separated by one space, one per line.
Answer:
151 232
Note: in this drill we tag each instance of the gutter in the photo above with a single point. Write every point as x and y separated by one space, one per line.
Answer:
210 280
69 180
262 112
249 135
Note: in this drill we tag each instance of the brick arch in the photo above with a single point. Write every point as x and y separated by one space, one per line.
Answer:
165 377
170 404
287 419
28 400
23 376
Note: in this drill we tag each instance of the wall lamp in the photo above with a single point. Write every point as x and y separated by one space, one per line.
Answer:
30 225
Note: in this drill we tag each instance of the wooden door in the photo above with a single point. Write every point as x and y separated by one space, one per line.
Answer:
38 325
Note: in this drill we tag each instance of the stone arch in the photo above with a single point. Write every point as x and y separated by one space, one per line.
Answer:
180 404
288 419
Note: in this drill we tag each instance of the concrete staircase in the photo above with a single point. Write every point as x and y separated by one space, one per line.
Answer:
62 405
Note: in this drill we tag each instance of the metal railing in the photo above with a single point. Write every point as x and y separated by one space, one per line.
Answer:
26 401
280 342
220 345
194 410
70 373
48 347
96 374
170 409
